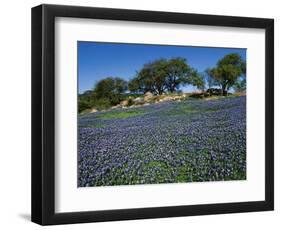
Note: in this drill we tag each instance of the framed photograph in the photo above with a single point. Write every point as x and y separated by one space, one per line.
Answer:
142 114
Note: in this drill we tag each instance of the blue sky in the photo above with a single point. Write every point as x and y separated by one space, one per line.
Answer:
98 60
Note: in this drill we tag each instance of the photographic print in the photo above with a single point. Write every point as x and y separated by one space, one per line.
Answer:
175 109
150 114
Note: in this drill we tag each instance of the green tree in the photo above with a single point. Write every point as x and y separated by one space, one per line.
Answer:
85 101
162 75
111 89
134 85
228 70
177 73
196 79
240 85
209 79
150 78
83 105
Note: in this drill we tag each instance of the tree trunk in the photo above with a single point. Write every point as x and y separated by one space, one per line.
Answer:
223 90
160 91
172 88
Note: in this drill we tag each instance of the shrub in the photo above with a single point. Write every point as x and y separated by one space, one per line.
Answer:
83 105
101 104
130 102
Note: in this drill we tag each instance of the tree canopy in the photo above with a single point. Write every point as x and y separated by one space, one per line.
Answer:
196 79
177 72
228 70
164 75
110 88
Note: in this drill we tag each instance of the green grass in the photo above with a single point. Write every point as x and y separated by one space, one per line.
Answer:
120 114
154 164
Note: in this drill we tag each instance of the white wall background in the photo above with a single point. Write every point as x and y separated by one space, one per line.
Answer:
15 114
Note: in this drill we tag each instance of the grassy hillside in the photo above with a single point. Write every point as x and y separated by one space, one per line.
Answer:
174 141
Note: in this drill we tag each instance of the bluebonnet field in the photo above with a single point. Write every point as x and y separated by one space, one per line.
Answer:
169 142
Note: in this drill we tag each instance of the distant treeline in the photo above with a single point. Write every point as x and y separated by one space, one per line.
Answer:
167 76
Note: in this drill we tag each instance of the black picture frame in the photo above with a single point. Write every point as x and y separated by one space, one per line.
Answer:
43 114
